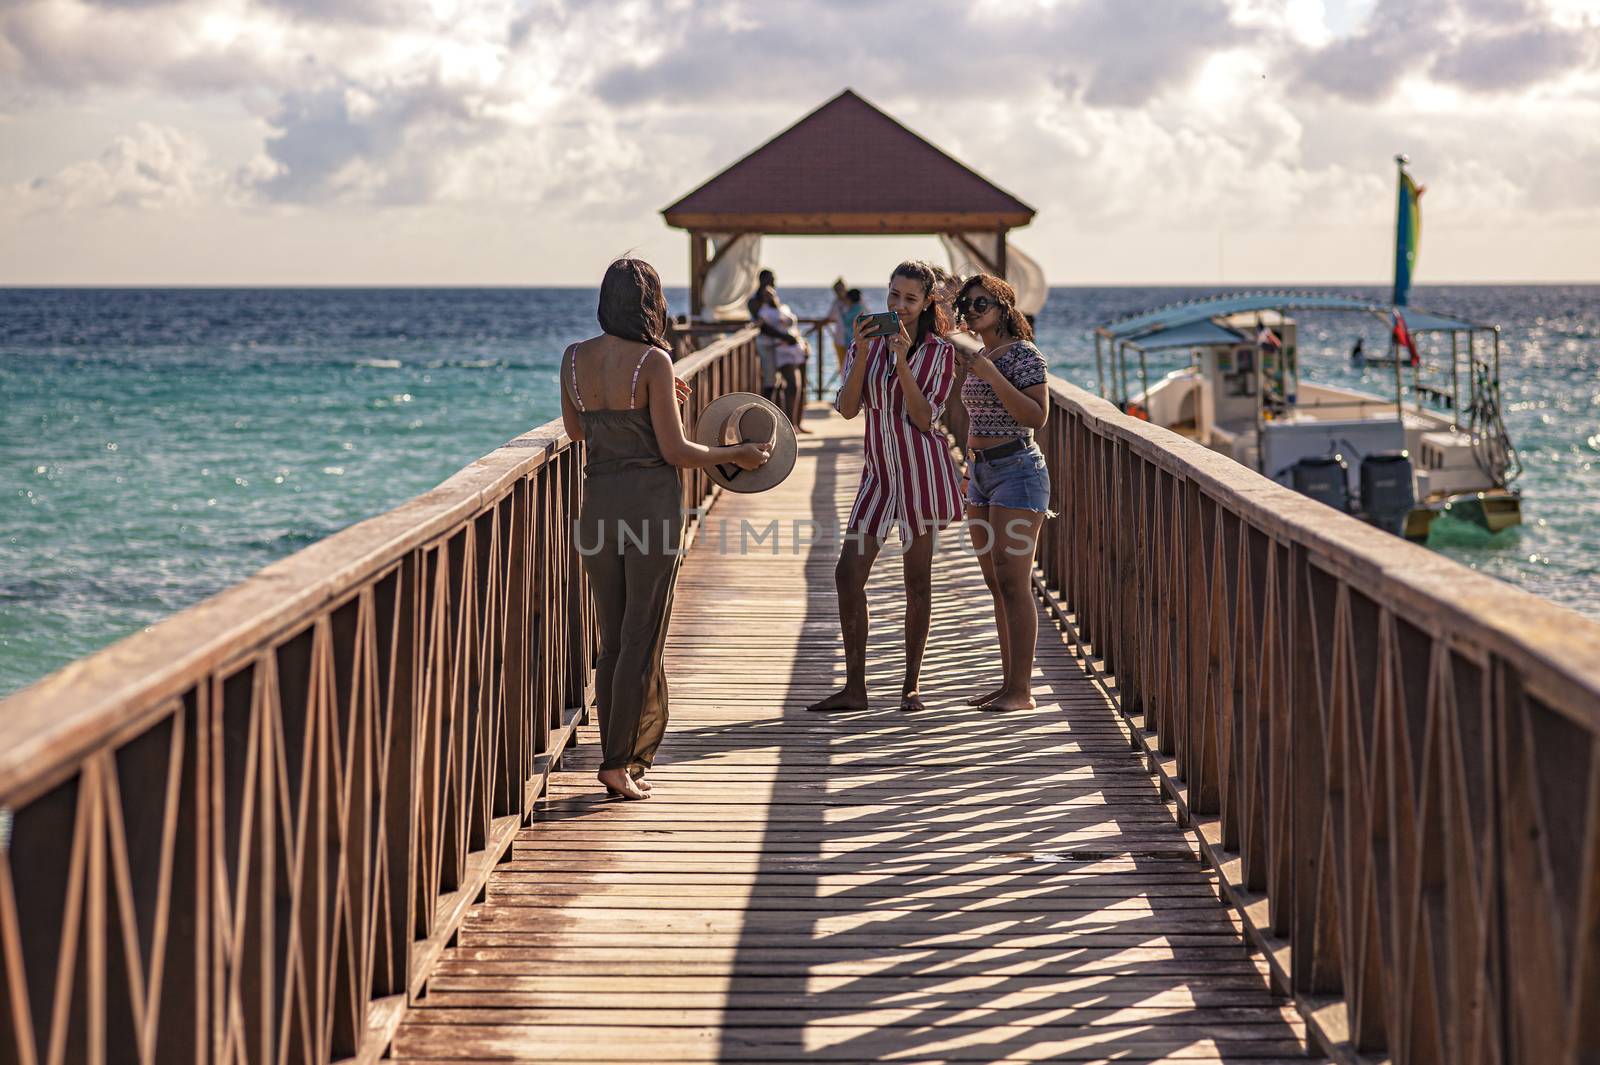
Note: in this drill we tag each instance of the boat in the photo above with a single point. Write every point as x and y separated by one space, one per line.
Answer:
1437 445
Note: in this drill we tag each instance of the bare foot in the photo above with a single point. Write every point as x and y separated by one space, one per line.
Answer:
618 783
986 697
801 429
644 785
911 701
844 699
1011 701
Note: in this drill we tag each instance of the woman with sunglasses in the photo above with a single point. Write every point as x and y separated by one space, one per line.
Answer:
1008 485
909 482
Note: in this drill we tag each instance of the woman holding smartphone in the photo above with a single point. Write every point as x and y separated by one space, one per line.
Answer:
620 396
902 377
1008 485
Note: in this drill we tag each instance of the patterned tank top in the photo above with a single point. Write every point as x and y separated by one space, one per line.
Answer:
1023 365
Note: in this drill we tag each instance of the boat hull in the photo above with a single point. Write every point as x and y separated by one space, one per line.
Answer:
1492 511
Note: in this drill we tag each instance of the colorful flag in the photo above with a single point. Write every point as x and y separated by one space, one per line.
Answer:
1403 337
1407 234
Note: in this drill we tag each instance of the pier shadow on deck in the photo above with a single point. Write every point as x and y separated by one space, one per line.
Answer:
953 885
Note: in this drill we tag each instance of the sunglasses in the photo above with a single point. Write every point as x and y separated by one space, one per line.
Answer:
975 305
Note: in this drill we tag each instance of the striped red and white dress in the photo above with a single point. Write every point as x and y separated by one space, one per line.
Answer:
910 480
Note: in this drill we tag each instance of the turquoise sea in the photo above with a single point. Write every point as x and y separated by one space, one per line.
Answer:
157 446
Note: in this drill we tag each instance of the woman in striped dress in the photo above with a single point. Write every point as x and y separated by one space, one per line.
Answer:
909 483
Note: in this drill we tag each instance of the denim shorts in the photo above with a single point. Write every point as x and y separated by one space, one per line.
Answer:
1020 481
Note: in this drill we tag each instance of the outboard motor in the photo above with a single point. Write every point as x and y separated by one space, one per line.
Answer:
1324 478
1387 495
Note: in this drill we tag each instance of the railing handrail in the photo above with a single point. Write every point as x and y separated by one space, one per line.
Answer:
1545 636
49 725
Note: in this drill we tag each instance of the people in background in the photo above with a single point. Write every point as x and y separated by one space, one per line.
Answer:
854 307
768 339
835 320
789 355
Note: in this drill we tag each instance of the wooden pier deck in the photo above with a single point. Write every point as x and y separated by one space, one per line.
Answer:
954 885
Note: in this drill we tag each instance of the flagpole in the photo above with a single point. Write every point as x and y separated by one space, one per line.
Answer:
1403 252
1396 297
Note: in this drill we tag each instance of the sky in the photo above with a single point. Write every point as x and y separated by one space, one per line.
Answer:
529 142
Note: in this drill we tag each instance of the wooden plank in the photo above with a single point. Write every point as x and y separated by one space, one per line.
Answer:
841 1043
1024 989
1267 1021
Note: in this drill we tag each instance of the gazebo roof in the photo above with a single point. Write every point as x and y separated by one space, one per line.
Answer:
848 168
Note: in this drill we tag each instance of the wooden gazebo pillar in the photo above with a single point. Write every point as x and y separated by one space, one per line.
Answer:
697 273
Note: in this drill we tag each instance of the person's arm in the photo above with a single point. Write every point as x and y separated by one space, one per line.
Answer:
569 409
1029 404
856 362
661 394
955 410
918 408
783 326
938 382
759 316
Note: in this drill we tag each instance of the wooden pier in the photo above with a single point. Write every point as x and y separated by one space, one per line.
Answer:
953 885
1293 787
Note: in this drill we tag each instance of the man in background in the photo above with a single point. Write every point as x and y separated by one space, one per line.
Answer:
769 338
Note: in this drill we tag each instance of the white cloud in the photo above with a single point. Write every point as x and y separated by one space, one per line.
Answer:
152 168
1183 116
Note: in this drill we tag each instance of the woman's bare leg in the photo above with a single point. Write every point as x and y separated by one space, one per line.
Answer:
850 580
918 570
1018 540
983 544
795 379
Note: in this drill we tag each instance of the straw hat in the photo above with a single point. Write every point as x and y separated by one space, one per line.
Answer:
743 417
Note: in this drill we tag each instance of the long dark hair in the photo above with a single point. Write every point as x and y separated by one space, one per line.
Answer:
1001 292
632 305
934 318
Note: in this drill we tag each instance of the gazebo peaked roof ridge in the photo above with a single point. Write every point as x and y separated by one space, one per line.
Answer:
848 167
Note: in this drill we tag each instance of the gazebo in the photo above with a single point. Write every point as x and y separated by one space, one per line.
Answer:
847 168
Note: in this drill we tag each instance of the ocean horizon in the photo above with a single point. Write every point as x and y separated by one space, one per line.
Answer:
158 445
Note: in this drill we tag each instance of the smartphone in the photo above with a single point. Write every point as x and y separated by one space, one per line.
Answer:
881 325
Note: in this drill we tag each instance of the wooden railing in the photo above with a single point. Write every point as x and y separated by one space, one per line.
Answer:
1393 761
244 835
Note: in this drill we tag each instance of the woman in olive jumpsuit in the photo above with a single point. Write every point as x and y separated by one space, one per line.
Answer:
619 396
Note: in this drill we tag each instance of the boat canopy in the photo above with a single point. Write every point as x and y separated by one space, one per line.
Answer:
1420 321
1187 335
1163 326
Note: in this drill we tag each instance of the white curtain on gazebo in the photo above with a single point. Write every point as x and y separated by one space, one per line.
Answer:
731 281
1022 273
